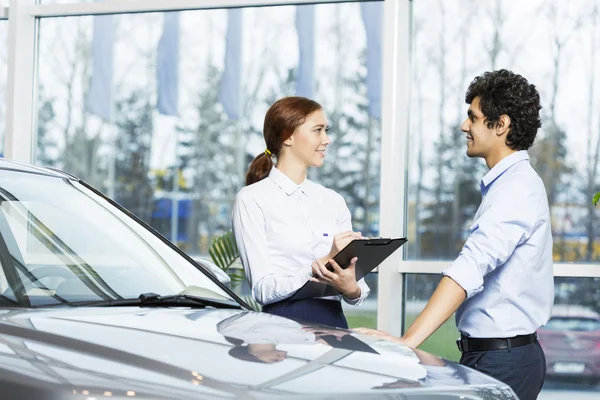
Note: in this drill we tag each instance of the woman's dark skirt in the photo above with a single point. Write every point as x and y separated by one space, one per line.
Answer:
316 311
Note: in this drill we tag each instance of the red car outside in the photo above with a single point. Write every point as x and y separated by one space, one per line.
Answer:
571 342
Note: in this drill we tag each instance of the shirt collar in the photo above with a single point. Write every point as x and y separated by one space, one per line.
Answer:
502 166
286 184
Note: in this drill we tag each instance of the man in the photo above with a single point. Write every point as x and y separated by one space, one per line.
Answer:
501 284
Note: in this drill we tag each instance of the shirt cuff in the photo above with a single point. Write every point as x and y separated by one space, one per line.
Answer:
272 289
364 292
466 274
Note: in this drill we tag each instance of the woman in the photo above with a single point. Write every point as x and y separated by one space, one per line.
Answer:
288 227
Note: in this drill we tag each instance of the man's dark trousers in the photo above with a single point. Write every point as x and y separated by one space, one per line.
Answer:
522 368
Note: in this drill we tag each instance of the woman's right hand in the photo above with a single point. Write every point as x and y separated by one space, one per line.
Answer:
340 241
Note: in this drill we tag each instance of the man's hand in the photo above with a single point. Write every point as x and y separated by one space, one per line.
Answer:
381 335
343 280
375 332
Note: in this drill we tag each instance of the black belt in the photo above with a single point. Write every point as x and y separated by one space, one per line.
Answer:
467 344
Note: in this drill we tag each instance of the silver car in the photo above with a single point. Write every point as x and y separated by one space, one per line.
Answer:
95 304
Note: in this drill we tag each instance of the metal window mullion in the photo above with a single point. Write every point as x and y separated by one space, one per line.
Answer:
138 6
20 88
394 128
561 270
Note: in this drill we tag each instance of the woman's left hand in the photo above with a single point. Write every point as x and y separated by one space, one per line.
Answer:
343 280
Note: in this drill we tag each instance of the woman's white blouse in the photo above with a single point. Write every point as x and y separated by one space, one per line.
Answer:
281 228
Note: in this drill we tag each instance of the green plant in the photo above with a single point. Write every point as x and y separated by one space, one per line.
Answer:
224 253
596 198
253 303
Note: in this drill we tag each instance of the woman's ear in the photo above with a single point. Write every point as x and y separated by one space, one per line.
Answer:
289 141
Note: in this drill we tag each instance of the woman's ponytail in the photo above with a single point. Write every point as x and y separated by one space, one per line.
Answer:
260 168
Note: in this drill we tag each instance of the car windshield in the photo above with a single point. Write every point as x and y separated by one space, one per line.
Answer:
573 324
63 243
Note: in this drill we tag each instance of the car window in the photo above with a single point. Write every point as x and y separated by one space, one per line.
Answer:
66 244
573 324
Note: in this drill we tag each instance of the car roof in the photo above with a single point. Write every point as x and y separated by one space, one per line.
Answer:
574 311
9 165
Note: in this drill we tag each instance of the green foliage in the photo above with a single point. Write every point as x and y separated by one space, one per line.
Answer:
596 198
224 252
253 303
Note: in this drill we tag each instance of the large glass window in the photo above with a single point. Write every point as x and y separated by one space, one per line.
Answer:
164 111
418 289
69 1
554 45
3 73
98 116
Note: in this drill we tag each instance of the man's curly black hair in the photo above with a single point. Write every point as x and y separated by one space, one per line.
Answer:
504 92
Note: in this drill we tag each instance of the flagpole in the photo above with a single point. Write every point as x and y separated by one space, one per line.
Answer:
167 72
112 159
241 149
230 90
367 177
175 193
372 15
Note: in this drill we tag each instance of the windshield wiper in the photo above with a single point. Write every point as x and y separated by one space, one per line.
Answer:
8 302
155 300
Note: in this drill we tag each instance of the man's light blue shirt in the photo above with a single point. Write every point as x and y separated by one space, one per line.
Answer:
505 266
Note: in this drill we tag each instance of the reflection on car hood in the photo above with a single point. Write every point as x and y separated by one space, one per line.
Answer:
132 352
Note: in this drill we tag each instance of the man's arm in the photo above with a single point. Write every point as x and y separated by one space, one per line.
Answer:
446 299
494 236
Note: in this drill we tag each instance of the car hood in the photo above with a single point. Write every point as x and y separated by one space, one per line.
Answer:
177 353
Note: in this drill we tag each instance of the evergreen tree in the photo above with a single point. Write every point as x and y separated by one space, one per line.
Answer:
133 119
207 153
47 151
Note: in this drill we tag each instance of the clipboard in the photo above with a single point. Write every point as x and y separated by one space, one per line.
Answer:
370 252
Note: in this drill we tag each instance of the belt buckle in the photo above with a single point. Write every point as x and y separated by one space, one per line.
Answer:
459 345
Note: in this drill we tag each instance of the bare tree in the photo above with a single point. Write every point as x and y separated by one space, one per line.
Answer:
498 17
439 62
458 149
593 149
549 153
417 136
218 155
